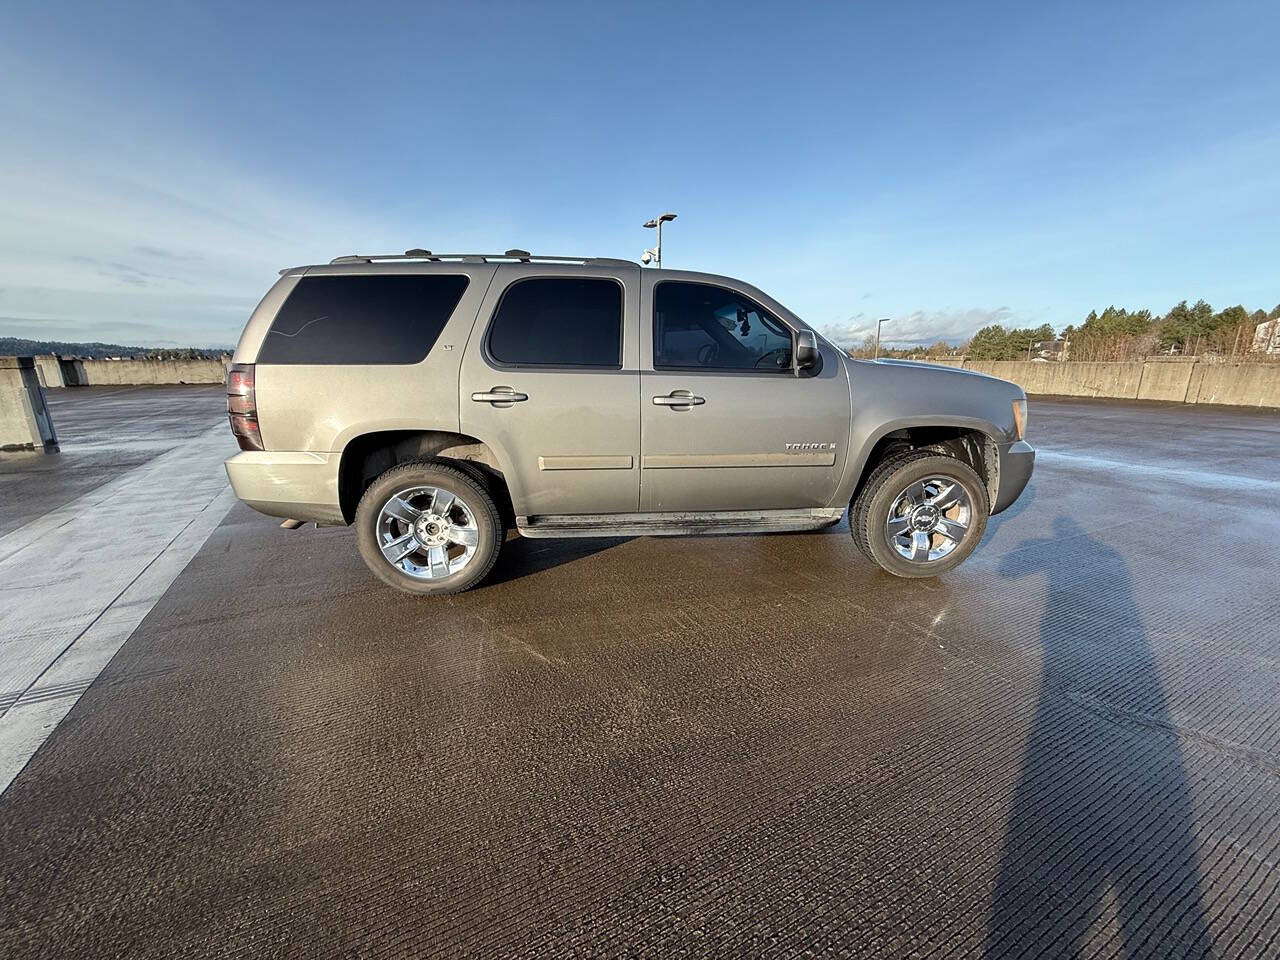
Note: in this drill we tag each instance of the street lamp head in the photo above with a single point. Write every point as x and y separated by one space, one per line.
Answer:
654 253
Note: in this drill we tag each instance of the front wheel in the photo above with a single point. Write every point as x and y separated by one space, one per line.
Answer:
426 527
920 515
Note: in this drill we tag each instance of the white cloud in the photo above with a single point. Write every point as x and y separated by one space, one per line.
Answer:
104 247
920 326
111 235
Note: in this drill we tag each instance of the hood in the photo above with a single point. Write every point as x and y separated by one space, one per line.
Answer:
953 381
922 365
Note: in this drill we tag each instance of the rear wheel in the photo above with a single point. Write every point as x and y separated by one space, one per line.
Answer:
920 515
429 528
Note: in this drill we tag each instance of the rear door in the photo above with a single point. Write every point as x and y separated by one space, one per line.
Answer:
550 380
727 422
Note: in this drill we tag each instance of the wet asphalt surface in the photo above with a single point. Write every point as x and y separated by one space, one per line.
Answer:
731 746
103 432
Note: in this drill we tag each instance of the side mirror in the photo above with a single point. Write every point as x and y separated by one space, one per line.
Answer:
807 354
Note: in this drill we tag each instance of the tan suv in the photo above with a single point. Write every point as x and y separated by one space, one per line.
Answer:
437 400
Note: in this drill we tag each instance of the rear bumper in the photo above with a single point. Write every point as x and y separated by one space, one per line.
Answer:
303 486
1017 460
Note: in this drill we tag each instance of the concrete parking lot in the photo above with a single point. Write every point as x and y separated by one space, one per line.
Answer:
730 746
104 433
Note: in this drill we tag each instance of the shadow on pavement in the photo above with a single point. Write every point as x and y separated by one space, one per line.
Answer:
524 556
1015 509
1099 854
996 531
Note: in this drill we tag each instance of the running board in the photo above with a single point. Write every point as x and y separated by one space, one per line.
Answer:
677 524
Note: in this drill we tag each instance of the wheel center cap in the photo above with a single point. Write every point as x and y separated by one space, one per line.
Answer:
924 517
430 528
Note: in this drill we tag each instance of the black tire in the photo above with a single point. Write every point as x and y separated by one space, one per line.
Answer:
442 475
869 511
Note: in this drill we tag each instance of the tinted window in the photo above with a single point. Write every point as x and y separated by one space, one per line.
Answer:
559 321
703 326
383 318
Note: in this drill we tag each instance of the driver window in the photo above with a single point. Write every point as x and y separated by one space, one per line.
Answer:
704 327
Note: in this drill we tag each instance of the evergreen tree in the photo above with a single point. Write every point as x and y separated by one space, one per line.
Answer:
989 343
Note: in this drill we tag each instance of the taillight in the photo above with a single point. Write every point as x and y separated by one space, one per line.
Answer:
242 407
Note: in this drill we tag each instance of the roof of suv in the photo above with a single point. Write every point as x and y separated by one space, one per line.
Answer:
510 256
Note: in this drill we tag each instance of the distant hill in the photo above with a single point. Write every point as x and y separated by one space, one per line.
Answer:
23 348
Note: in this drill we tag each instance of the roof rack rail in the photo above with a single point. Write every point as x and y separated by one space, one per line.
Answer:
511 256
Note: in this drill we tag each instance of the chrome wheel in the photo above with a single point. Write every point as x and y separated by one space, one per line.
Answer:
427 532
929 519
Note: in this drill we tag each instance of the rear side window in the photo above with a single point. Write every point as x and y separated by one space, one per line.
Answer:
380 318
559 321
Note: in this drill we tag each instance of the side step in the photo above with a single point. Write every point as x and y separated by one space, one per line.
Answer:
677 524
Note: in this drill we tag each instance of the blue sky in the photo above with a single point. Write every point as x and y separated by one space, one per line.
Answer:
944 165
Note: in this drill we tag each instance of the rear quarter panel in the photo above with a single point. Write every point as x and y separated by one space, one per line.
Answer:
320 408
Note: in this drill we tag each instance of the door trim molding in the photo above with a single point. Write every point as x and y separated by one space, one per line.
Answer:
586 463
666 461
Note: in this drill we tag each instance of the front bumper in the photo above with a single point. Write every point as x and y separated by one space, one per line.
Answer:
301 486
1017 460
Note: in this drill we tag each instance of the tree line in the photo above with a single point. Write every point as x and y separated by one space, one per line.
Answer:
25 347
1193 330
1114 334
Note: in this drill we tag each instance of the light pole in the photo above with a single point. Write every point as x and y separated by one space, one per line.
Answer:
878 322
655 254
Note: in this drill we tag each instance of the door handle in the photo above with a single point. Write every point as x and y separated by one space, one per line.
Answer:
679 398
499 397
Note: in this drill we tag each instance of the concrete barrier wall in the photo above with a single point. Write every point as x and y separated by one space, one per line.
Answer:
1183 380
49 370
25 424
1166 379
1177 379
1239 384
93 373
1066 379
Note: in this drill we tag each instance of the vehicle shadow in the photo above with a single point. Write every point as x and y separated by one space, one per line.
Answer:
1012 512
525 556
1099 855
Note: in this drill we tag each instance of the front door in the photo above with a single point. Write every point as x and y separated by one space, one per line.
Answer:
550 381
727 422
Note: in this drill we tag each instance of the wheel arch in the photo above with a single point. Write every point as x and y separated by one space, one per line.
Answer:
969 439
367 456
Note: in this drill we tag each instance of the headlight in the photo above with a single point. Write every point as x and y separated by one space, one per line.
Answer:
1020 417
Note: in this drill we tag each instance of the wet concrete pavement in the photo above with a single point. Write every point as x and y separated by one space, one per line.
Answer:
99 533
731 746
103 432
